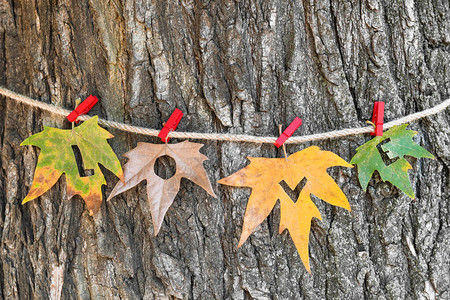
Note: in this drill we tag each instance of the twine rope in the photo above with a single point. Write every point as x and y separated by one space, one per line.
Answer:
224 136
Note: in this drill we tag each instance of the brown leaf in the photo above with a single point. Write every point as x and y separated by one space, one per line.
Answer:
160 192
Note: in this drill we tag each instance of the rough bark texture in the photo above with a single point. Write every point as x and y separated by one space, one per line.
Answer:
238 67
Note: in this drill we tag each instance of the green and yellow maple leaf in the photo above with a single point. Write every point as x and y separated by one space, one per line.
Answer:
57 157
368 158
264 176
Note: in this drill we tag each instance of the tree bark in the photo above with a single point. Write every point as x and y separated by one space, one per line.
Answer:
232 67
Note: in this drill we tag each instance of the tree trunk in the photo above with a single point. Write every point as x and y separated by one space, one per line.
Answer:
232 67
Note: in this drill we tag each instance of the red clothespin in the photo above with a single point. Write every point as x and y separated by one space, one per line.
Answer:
83 108
377 118
288 132
171 124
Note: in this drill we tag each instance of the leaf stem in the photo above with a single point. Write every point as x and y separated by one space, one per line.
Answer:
284 147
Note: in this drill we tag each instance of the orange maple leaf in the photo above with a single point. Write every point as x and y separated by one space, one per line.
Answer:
264 175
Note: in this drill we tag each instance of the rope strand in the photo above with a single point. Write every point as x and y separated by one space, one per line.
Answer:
223 136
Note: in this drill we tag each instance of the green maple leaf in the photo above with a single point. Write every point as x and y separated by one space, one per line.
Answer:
368 158
57 157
